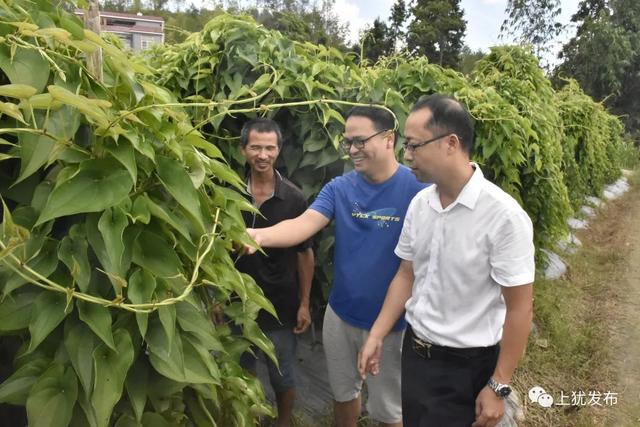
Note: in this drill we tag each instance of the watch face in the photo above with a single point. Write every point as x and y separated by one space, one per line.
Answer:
504 391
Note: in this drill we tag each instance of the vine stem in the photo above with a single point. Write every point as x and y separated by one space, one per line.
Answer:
38 279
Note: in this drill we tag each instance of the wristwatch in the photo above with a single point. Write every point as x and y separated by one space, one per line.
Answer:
501 390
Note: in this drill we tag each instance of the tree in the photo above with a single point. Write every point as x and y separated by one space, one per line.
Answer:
377 41
399 16
533 22
604 56
468 59
436 31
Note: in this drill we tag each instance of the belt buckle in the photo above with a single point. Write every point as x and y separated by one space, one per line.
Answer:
420 345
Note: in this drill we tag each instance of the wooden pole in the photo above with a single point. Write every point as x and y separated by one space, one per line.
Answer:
92 22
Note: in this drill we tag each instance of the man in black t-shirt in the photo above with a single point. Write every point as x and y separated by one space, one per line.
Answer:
285 274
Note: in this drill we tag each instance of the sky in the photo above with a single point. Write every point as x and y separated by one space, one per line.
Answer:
484 18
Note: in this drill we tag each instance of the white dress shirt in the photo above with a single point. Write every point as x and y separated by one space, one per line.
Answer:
461 257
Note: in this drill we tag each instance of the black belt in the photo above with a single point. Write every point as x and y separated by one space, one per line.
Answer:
429 350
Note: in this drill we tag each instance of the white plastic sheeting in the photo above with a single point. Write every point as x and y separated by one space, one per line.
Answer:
556 267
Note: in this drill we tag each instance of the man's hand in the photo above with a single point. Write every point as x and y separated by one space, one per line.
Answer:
304 319
369 357
255 235
489 408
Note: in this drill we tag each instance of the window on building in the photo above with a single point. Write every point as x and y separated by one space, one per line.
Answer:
146 42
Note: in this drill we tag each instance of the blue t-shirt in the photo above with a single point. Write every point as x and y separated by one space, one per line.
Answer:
368 219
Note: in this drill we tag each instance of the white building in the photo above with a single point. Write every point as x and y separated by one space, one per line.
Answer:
137 31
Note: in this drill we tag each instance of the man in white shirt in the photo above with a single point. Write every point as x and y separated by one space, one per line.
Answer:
465 279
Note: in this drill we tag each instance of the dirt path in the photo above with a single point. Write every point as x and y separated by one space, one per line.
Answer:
615 236
626 330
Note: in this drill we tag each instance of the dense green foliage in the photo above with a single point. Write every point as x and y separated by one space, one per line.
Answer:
121 211
117 234
604 56
520 138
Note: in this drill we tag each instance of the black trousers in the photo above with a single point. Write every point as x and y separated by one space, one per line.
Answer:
440 385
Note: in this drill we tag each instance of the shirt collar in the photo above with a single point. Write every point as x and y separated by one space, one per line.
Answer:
277 189
471 191
467 197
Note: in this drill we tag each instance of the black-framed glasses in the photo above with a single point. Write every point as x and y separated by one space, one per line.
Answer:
413 147
346 143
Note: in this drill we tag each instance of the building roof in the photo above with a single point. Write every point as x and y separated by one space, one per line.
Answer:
132 16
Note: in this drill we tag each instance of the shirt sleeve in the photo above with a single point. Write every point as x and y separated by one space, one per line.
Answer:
325 203
512 255
404 248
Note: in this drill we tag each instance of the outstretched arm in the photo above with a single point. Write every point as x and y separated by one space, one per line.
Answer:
290 232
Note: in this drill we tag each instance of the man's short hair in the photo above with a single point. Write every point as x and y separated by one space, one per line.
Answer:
381 118
260 125
448 115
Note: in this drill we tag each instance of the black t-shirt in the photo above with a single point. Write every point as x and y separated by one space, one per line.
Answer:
277 273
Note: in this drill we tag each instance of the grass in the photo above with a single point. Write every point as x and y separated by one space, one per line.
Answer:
571 347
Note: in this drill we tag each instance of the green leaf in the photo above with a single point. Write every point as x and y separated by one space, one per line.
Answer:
99 320
15 389
141 286
151 419
199 366
136 385
89 413
80 342
167 315
81 103
26 67
39 150
123 152
198 324
44 263
253 333
97 244
78 194
72 251
19 91
15 311
167 359
178 183
166 215
112 223
48 312
35 152
111 369
51 400
195 168
195 138
140 210
153 253
11 110
311 145
142 146
225 174
256 296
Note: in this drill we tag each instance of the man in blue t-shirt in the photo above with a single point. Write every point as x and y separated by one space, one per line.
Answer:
368 206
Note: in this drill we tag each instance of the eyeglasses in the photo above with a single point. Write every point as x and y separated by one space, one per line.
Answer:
359 142
413 147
